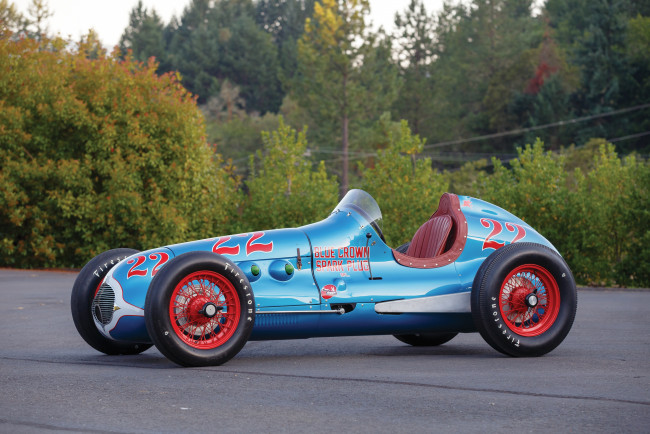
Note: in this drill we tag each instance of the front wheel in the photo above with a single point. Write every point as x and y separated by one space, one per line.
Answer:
200 309
85 288
426 339
524 299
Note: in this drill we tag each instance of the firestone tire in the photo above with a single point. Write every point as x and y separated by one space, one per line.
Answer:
83 292
426 339
524 300
200 309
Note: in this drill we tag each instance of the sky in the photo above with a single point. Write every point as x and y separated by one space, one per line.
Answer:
73 18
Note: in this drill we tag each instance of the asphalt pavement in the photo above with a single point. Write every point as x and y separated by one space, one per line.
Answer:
598 380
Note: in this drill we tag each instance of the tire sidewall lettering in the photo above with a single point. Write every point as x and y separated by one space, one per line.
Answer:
486 299
158 319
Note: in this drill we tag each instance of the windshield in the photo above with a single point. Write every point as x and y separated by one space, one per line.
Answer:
363 204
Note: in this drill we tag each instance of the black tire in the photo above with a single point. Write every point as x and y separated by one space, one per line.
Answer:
504 311
84 290
193 337
426 339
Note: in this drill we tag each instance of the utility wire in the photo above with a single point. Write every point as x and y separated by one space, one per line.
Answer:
631 136
358 155
512 132
538 127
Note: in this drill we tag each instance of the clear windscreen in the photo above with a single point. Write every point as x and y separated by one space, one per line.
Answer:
365 206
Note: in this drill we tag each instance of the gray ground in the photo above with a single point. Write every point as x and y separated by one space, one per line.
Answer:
597 380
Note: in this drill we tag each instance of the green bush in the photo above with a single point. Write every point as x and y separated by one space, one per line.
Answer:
613 206
284 190
407 189
596 216
97 153
534 189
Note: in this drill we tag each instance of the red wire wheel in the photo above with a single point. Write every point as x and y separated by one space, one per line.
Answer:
524 299
529 300
204 309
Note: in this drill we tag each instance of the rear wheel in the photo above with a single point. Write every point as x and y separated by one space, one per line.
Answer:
426 339
84 290
200 309
524 299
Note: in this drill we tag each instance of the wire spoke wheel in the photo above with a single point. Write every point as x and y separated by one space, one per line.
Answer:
524 299
525 283
200 309
188 304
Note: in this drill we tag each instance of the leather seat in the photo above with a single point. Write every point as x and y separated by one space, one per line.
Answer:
430 239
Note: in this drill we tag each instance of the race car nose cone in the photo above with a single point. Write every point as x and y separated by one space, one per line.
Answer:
531 300
209 310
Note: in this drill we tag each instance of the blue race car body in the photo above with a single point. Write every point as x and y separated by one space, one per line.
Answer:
338 277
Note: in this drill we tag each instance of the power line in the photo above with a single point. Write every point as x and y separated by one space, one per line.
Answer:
358 155
509 133
538 127
631 136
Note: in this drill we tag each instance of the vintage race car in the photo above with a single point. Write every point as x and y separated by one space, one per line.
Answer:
471 267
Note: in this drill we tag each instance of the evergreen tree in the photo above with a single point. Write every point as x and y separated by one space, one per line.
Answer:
342 75
39 12
480 47
636 90
285 21
595 34
11 20
144 36
415 33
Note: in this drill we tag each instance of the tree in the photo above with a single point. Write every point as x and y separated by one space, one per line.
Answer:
11 20
98 152
285 21
144 36
39 12
217 41
406 188
594 35
636 90
285 191
249 58
342 75
194 49
480 48
415 33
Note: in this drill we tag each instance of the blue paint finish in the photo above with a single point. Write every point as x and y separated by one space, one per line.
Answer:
276 288
339 256
132 329
135 287
363 320
331 263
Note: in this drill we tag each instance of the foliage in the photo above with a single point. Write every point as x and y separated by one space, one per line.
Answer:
406 188
415 58
284 20
534 189
11 20
596 217
614 202
285 191
480 47
97 153
144 37
344 75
